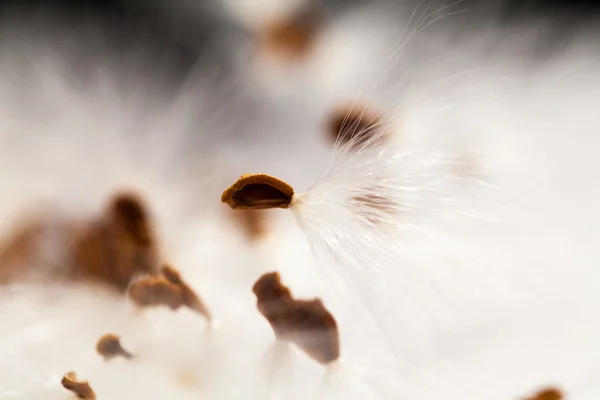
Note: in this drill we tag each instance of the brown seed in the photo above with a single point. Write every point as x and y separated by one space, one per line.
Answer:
290 38
549 393
189 297
156 291
307 323
258 191
81 389
315 330
356 127
109 346
119 245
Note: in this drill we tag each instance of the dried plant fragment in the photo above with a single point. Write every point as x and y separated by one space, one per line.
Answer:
189 297
258 191
156 291
307 323
549 393
81 389
292 37
355 127
109 346
119 245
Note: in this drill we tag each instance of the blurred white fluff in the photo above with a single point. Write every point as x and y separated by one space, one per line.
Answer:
483 287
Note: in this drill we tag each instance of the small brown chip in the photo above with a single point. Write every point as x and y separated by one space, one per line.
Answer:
307 323
258 191
109 346
292 37
81 389
119 245
549 393
189 297
356 127
156 291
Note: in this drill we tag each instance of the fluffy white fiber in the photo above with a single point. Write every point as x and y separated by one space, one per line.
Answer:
481 282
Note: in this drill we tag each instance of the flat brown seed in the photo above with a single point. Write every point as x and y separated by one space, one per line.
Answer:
189 297
156 291
275 302
81 389
171 274
315 331
356 127
258 191
109 346
549 393
308 324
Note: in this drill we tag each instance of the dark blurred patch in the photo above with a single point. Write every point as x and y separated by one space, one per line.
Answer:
119 245
291 38
173 41
357 126
549 393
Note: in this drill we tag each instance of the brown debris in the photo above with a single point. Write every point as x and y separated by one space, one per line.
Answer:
119 245
307 323
292 37
189 298
81 389
169 290
156 291
109 346
355 126
258 191
549 393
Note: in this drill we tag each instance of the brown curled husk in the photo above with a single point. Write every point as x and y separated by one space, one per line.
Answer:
156 291
355 127
81 389
258 191
189 297
109 347
119 245
306 323
549 393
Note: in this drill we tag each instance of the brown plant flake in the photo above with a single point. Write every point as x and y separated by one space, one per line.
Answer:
156 291
356 127
307 323
189 297
109 347
549 393
291 37
119 245
81 389
258 191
